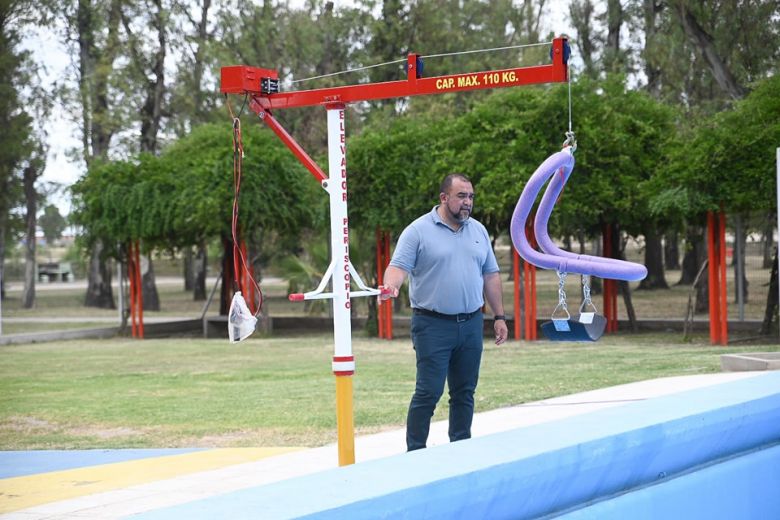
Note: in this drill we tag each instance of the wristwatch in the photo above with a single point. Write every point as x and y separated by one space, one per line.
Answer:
499 317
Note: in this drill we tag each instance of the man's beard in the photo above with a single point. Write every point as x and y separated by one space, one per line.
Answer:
458 216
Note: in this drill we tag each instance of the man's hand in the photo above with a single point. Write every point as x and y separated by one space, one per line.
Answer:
386 292
502 332
394 278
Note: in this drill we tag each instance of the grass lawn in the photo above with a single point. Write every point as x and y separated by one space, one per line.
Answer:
280 391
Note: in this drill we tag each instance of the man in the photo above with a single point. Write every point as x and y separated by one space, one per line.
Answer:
451 264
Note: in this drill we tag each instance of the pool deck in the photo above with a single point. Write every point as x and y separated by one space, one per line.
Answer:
111 484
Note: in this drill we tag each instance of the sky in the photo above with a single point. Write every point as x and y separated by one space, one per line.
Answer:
64 135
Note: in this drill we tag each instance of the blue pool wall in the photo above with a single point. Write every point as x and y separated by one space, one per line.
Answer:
711 453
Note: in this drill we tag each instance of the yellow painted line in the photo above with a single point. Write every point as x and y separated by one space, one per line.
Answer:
32 490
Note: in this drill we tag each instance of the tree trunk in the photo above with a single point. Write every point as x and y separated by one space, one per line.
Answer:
613 58
651 9
226 293
581 241
768 240
30 195
738 259
103 125
2 257
654 261
95 66
151 113
150 116
372 320
581 14
198 65
703 296
619 252
695 254
672 251
771 301
255 263
201 265
99 292
625 289
86 42
149 288
700 39
188 269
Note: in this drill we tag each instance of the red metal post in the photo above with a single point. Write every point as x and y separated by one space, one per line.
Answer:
526 300
610 286
531 313
712 279
529 286
527 293
253 289
533 319
516 277
131 288
388 303
724 312
411 70
606 245
380 275
244 278
385 308
241 274
139 290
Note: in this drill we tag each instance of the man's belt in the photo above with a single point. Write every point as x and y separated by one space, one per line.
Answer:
452 317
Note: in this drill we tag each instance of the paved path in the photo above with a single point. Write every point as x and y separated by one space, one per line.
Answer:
112 484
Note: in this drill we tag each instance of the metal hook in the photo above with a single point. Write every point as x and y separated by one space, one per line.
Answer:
571 141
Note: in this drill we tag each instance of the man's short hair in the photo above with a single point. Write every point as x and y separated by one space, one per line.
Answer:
447 182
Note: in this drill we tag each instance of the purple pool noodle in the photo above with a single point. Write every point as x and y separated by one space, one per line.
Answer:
552 257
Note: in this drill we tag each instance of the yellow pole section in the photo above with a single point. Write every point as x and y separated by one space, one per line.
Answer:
344 420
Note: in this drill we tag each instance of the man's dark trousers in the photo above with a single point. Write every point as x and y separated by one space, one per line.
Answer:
446 349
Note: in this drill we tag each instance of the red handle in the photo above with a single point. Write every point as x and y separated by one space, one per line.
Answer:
296 297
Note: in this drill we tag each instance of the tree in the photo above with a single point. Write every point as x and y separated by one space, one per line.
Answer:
582 17
702 40
614 56
185 196
94 26
725 163
704 55
191 101
451 34
301 44
147 54
190 98
651 9
52 223
15 121
32 171
22 108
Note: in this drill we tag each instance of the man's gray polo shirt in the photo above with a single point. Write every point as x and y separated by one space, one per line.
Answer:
445 267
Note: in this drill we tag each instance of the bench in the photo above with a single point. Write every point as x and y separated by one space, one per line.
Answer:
55 271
